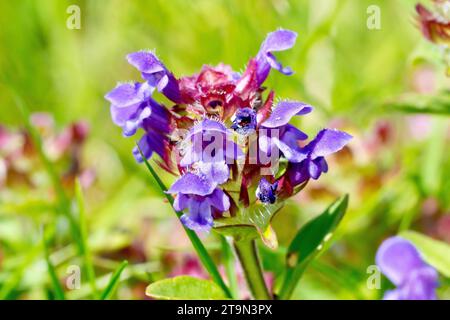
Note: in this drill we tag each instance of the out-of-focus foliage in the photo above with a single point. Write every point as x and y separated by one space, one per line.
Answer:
386 87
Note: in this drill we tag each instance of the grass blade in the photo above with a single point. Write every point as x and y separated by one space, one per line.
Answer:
63 199
115 278
203 255
86 252
57 287
310 242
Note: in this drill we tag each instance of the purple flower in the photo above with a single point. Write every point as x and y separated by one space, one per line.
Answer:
155 73
244 121
209 141
266 192
279 134
279 40
155 138
200 195
400 261
131 103
258 69
310 161
207 111
132 107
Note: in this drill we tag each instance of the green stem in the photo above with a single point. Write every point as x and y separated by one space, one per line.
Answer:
290 282
230 267
202 253
248 256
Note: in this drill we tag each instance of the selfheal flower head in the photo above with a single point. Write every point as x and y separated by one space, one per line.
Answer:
400 261
222 135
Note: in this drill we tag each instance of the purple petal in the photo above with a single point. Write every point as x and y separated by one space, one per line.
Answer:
295 133
327 142
215 171
193 184
275 41
207 125
279 40
264 144
209 141
159 119
219 200
322 163
145 62
284 111
150 142
199 217
181 202
130 105
421 285
232 152
133 123
269 139
156 74
298 172
314 169
288 146
121 115
397 258
392 295
128 94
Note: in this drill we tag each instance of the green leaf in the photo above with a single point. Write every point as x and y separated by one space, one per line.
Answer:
251 222
309 242
185 288
430 104
115 279
434 252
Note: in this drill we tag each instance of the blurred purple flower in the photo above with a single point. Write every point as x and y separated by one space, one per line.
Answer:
401 262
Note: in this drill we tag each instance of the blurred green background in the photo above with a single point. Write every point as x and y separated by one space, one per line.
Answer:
383 86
